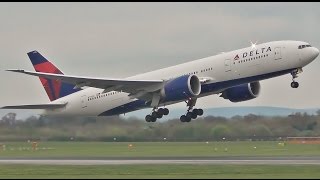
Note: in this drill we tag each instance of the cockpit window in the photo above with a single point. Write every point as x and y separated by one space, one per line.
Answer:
304 46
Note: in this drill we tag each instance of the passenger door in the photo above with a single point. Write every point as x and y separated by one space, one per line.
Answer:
277 53
228 68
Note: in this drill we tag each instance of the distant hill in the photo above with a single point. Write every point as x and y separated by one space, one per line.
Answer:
262 110
233 111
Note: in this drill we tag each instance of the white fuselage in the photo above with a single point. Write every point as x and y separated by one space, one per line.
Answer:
222 71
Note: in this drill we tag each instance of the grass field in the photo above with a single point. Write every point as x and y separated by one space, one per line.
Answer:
157 149
160 171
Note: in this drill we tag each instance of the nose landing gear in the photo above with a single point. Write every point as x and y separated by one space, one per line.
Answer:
294 75
294 84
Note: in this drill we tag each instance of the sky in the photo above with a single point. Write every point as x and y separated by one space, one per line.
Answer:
117 40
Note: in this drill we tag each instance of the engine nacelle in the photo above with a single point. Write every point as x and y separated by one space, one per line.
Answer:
242 92
180 88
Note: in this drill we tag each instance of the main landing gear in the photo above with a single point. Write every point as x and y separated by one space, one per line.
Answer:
157 114
294 75
191 113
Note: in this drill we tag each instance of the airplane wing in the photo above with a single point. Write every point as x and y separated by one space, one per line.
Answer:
36 106
129 86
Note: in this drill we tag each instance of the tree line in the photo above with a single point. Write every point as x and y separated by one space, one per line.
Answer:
115 128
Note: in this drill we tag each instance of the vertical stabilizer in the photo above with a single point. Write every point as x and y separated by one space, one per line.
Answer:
55 89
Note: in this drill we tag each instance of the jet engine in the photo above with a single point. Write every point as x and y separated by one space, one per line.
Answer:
181 88
242 92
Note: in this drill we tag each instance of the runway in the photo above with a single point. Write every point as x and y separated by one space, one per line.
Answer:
164 161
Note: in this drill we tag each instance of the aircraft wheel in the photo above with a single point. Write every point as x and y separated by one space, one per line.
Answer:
199 112
183 118
161 111
148 118
194 115
165 111
156 115
153 119
190 115
294 84
160 115
188 119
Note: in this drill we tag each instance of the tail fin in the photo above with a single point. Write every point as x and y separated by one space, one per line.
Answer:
54 89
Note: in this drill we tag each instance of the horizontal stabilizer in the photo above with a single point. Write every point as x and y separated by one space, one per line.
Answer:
36 106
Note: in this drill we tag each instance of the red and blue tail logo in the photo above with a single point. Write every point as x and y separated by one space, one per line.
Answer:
55 89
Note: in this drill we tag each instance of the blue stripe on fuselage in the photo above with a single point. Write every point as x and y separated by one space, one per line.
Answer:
206 88
132 106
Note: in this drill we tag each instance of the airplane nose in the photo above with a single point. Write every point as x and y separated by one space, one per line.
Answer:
309 55
316 52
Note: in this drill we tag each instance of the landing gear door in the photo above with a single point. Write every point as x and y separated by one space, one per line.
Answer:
84 101
277 53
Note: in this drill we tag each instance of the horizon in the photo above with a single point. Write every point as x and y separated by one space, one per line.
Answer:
284 111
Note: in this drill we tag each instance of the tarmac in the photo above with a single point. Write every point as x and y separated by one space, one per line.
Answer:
307 160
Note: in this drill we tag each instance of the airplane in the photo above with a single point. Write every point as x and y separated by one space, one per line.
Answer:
234 75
